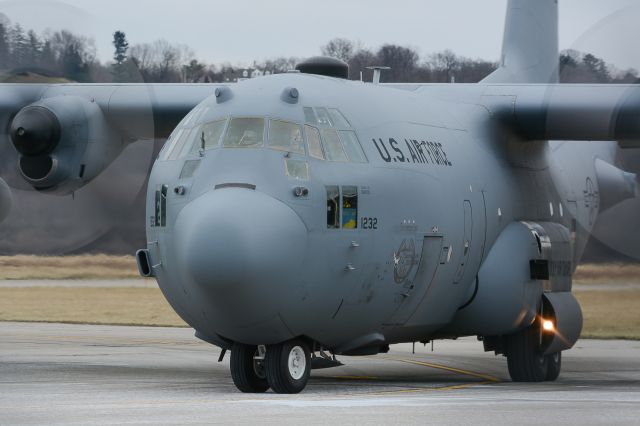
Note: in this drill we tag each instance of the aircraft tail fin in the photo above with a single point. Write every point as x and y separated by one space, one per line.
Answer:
530 52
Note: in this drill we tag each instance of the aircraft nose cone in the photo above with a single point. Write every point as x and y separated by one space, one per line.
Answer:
239 246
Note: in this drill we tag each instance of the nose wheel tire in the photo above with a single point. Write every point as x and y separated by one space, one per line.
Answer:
288 366
247 372
524 357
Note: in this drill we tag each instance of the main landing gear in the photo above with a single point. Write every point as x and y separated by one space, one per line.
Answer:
283 367
525 359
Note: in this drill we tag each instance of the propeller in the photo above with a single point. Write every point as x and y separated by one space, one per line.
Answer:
6 200
106 215
105 209
615 234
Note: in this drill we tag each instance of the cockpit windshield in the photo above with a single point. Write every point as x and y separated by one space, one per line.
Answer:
326 135
245 133
210 134
286 136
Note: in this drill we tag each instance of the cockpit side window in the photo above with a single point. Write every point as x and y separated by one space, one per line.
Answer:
170 144
245 133
314 142
349 207
310 116
191 117
333 147
193 139
286 136
176 149
352 147
333 207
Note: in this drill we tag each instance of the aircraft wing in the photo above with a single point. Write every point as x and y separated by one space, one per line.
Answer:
66 135
569 112
576 112
138 111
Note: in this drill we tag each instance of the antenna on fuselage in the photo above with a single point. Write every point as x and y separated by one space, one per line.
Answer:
377 72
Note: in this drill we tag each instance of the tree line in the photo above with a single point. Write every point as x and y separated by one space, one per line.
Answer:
73 57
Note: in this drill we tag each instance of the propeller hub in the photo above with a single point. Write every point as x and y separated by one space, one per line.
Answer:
35 131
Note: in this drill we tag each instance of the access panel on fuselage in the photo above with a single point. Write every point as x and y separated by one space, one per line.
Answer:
416 286
466 241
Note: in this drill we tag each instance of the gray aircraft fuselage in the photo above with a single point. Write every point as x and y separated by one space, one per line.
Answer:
241 257
302 214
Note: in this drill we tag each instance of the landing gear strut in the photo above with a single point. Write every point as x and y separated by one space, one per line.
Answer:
288 366
525 359
248 369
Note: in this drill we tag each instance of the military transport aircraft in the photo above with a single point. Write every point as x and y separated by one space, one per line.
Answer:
300 216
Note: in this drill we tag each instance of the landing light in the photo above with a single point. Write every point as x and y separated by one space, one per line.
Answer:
548 325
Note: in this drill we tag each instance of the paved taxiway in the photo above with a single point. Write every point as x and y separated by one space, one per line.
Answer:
76 374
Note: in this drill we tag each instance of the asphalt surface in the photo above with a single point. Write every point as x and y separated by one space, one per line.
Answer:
76 374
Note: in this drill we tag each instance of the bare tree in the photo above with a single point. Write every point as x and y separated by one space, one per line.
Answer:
276 65
168 60
195 71
359 62
341 48
4 45
402 60
445 65
160 61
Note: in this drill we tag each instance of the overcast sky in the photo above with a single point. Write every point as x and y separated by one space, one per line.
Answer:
240 31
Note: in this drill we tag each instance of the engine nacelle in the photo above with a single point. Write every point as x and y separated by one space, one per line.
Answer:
64 142
528 261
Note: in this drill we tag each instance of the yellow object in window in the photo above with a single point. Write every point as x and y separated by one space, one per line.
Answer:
350 224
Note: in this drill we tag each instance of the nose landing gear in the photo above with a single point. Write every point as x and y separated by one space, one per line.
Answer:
284 367
288 366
